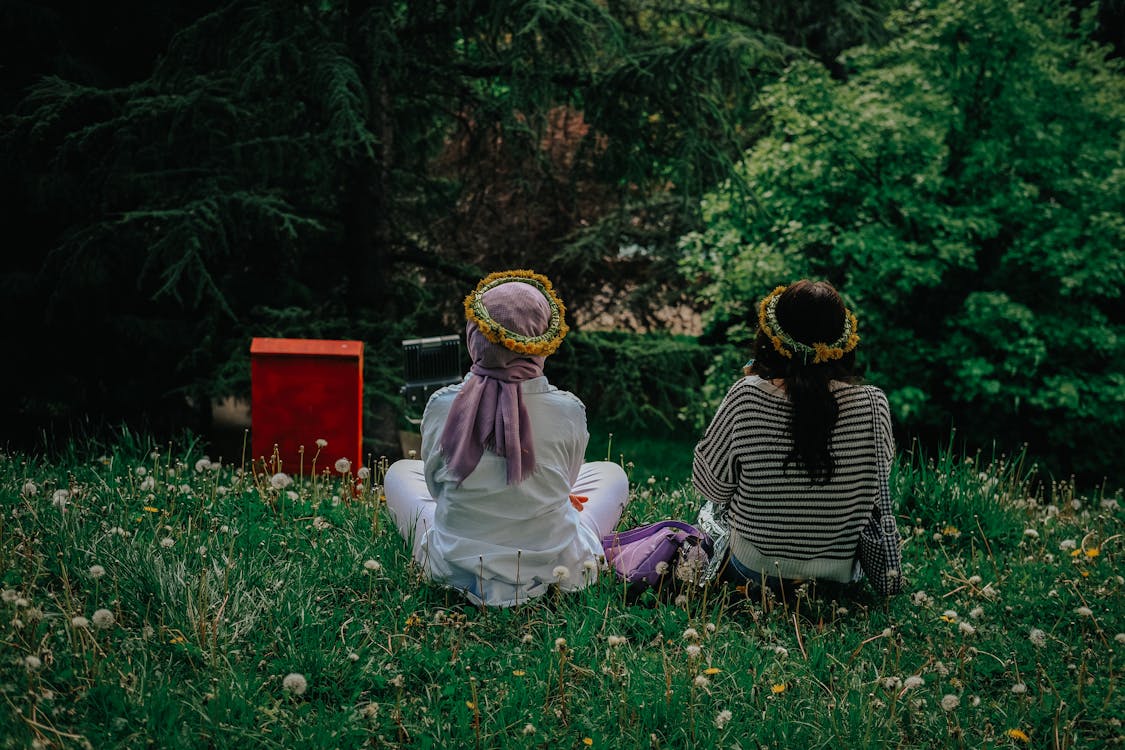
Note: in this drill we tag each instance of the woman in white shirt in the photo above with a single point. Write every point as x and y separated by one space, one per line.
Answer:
501 505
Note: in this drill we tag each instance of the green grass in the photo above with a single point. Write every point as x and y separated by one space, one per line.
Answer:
256 585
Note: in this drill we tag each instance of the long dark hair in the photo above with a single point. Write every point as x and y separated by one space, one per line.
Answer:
810 312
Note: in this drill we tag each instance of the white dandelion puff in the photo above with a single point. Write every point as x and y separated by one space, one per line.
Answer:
29 489
949 702
691 634
616 640
693 651
321 443
913 681
343 465
561 572
167 542
102 619
1019 688
723 718
96 571
295 683
60 499
1037 637
661 568
280 480
560 643
202 465
701 681
372 566
32 662
1084 611
78 621
966 628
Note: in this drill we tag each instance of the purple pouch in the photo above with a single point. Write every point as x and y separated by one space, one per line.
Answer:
636 553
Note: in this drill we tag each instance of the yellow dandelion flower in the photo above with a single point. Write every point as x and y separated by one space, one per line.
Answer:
518 673
413 621
177 640
1018 734
779 688
951 531
587 741
1076 553
947 618
712 670
1093 552
470 704
151 509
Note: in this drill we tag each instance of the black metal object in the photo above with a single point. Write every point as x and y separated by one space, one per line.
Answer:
428 364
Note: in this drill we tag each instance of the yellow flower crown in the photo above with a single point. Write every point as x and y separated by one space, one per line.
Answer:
787 346
538 346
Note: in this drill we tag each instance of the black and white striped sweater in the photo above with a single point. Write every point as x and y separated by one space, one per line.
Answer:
781 523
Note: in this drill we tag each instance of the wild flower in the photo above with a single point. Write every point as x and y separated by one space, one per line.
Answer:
148 484
321 443
527 638
975 580
1093 552
295 683
560 643
353 656
949 702
31 662
781 651
372 566
96 571
913 681
966 628
79 621
920 599
60 499
1031 533
1018 734
1120 637
680 601
167 542
397 681
140 471
616 640
701 681
709 627
292 496
779 688
528 729
976 613
102 619
363 473
1019 688
651 480
202 465
949 615
343 465
723 718
661 568
29 489
9 595
693 651
712 670
892 683
691 634
280 480
589 566
1084 611
561 572
1037 637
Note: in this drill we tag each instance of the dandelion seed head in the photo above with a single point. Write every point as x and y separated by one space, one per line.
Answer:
693 651
976 613
975 580
661 568
560 643
295 683
202 465
29 489
974 701
681 600
167 542
589 566
709 627
9 595
363 473
353 656
781 651
691 634
892 683
527 638
102 618
1019 688
343 465
561 572
528 729
96 571
372 566
723 718
79 621
1037 637
1031 533
280 481
32 662
397 681
701 681
60 499
1084 611
949 702
913 681
321 443
616 640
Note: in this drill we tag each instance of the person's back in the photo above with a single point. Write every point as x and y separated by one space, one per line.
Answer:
502 505
799 456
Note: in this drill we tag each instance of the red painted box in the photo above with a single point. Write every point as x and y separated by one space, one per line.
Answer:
301 391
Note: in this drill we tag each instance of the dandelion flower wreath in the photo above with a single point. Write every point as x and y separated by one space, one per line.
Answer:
542 345
787 346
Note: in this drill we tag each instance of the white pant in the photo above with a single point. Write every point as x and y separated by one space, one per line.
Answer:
412 508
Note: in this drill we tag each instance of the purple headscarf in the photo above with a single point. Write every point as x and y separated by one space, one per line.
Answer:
489 411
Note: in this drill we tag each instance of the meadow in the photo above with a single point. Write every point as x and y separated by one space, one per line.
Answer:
152 597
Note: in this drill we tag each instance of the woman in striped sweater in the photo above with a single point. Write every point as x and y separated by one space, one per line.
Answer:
799 455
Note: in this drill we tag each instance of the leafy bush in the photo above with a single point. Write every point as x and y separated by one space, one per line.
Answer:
965 188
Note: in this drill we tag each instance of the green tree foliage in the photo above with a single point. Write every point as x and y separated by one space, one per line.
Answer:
965 188
348 170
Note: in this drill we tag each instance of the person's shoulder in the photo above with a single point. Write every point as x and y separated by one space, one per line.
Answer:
863 393
562 399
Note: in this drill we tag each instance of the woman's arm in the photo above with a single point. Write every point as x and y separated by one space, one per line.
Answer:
714 468
879 552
